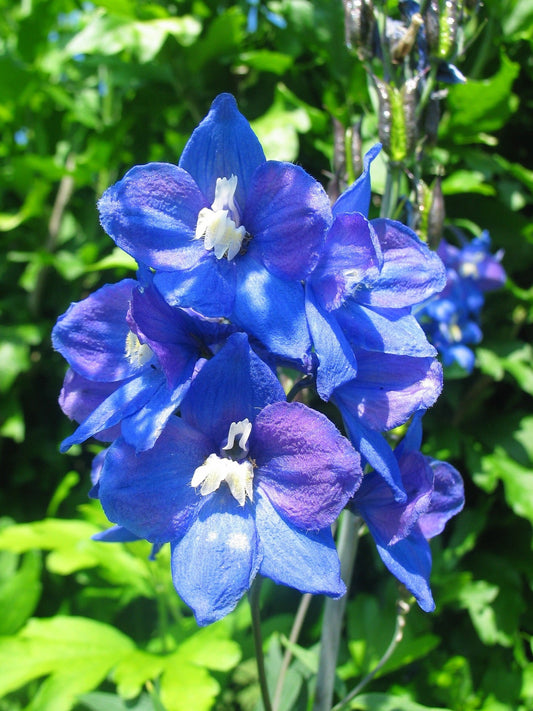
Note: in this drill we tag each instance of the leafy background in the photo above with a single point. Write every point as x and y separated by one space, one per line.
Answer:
90 89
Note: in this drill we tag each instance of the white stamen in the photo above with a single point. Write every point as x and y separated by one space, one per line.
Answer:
219 224
240 430
237 475
136 352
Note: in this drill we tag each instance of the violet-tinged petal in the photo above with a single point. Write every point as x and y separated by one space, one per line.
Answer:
337 364
150 493
373 447
272 310
92 334
215 562
409 560
306 467
287 213
234 385
375 500
357 197
209 287
115 534
411 272
307 561
447 498
123 402
351 259
152 214
389 389
142 428
79 397
222 145
393 331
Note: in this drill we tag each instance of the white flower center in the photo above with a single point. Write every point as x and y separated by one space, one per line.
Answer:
219 224
232 467
136 352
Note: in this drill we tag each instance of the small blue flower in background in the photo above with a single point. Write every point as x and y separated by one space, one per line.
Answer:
241 483
401 531
452 318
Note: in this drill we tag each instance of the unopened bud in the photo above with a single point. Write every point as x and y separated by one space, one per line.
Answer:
442 24
397 125
359 26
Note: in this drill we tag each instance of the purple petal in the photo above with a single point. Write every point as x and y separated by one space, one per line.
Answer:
123 402
411 272
115 534
222 145
336 361
389 389
150 493
446 501
152 214
351 258
92 334
79 397
306 467
392 331
215 562
357 197
287 213
307 561
272 310
234 385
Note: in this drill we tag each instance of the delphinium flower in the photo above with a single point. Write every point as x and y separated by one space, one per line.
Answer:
241 483
401 531
228 233
373 359
131 357
452 318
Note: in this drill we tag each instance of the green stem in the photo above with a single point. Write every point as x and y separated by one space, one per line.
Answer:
392 190
348 540
253 597
293 638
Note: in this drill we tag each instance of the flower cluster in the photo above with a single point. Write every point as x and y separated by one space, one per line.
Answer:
245 270
451 319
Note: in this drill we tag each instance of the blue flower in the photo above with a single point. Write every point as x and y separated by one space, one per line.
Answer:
373 359
227 232
242 483
401 531
451 319
132 358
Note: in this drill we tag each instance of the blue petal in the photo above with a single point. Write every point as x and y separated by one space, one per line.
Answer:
122 403
115 534
80 397
409 560
222 145
337 364
235 384
447 499
287 213
150 493
215 562
357 197
92 334
208 288
152 214
307 561
272 310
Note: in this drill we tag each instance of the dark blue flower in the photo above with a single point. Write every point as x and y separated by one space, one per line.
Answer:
401 530
228 233
241 483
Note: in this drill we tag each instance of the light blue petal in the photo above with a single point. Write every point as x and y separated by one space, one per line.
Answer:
215 562
222 145
307 561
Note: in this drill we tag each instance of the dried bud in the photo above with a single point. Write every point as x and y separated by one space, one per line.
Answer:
359 25
436 215
431 24
431 120
356 149
337 184
402 47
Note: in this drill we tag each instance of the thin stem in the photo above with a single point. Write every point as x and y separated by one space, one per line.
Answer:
253 597
300 385
293 638
348 540
403 609
392 190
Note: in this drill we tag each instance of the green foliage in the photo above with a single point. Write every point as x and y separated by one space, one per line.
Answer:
89 90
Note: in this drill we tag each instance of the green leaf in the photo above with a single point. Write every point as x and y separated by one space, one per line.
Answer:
20 593
102 701
278 129
467 181
185 686
385 702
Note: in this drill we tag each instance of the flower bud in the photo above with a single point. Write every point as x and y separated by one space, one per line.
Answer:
359 26
397 125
